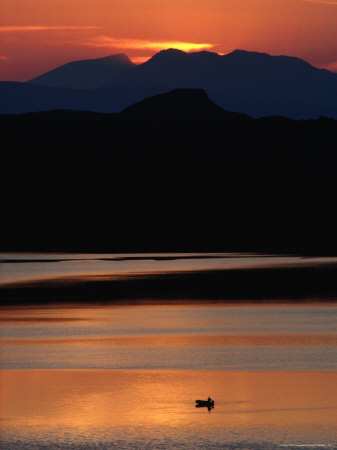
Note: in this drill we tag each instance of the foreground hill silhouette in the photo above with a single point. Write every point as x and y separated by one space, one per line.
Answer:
253 83
75 181
86 74
180 104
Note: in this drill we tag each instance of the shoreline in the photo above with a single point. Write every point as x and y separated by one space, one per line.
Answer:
288 285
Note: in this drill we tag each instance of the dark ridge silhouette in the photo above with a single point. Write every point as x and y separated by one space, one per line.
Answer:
180 104
61 115
252 83
78 181
85 74
239 74
20 98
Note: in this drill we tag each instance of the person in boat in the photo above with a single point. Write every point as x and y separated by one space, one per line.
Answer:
209 400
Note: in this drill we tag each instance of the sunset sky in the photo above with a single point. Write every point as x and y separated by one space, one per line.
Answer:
39 35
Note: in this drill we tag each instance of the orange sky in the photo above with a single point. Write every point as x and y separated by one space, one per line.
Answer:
38 35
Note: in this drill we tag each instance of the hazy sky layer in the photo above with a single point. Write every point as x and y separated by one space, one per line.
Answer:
38 35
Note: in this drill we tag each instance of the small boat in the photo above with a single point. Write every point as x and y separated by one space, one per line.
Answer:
209 403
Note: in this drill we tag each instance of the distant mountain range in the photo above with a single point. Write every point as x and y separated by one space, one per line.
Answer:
87 74
247 82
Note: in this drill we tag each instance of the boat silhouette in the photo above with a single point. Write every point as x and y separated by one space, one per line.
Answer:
205 404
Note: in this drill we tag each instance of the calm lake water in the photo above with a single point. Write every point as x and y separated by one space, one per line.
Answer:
83 376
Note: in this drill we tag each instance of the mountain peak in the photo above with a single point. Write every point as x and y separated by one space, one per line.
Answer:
265 58
120 57
86 74
172 53
168 53
238 53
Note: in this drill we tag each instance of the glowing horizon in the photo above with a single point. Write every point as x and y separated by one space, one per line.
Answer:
36 37
109 42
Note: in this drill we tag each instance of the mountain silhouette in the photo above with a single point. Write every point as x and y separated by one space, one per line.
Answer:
180 104
85 74
238 74
252 83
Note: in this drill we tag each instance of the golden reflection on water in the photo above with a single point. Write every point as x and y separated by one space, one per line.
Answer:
169 337
82 402
111 406
187 340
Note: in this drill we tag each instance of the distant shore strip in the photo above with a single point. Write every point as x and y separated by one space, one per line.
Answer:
309 284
